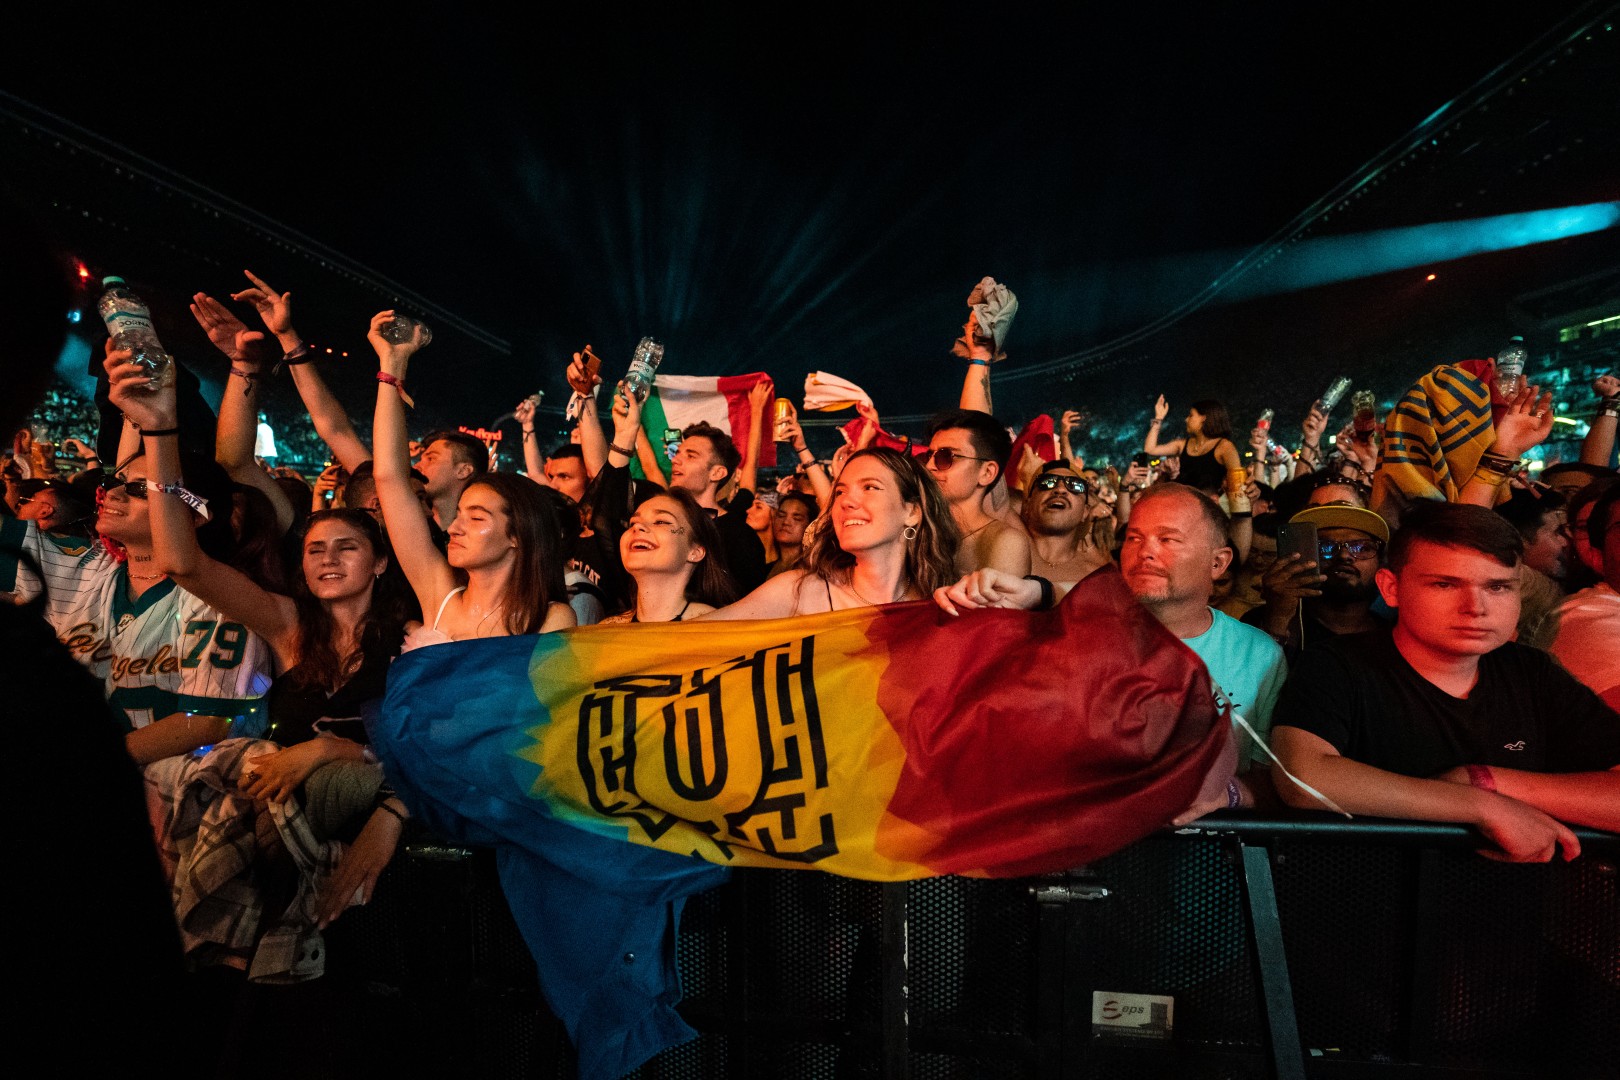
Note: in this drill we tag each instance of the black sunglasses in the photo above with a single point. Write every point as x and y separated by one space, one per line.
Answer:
945 457
1356 550
135 489
1075 484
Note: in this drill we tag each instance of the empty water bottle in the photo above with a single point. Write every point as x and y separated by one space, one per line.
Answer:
1510 367
643 367
129 323
398 330
1334 393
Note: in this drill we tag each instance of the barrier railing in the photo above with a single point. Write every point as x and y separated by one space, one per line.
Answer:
1252 947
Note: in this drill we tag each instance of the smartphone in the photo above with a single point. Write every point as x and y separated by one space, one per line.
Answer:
1143 458
1299 538
593 363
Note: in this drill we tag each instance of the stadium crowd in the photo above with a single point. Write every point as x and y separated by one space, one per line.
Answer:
1403 622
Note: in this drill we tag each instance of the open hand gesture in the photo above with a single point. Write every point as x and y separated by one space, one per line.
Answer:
1071 420
1161 409
1527 422
275 308
229 334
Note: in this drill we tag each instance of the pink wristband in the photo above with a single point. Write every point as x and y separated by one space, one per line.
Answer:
397 384
1480 776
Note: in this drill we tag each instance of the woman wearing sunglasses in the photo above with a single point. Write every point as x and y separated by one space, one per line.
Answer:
179 672
1070 532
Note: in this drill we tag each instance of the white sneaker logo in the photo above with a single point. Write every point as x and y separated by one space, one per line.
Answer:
1514 745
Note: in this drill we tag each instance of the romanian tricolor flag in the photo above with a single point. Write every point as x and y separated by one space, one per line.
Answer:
617 767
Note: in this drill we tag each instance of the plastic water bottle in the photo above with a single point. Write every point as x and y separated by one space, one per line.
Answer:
1266 416
398 330
1510 367
643 366
129 324
1335 393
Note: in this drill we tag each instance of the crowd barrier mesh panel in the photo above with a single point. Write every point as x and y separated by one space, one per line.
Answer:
1347 916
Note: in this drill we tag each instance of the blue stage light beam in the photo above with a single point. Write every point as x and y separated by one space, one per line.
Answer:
1330 259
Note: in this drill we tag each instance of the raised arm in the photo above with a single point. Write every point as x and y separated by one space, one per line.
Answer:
592 442
1598 446
1070 423
819 482
174 537
748 473
976 382
330 419
1527 423
425 568
534 462
1151 444
238 425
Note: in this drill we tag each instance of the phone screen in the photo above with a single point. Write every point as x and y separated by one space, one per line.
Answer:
1298 538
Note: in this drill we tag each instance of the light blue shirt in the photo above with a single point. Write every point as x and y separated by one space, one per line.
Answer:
1249 668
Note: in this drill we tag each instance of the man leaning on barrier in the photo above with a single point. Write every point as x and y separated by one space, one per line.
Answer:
1444 718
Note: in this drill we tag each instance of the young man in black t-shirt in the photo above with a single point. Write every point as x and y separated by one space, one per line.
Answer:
1444 718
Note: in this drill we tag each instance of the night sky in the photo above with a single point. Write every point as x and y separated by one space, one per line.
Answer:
779 189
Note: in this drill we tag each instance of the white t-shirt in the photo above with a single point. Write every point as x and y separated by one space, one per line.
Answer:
162 653
1587 641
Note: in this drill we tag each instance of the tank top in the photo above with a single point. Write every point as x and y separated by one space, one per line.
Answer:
431 635
1203 471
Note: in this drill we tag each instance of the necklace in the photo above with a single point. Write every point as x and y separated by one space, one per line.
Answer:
980 529
143 577
850 585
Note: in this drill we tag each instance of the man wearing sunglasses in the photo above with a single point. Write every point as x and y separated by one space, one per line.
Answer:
1065 522
1307 604
966 452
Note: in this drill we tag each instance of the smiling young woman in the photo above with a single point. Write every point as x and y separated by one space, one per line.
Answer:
891 538
672 552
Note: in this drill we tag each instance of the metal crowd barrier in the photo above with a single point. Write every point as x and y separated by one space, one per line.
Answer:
1286 947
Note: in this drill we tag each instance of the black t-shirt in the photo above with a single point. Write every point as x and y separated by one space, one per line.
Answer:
1358 693
745 555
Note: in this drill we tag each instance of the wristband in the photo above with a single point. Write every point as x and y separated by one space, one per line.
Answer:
398 384
1047 596
978 363
247 377
1480 776
154 432
528 431
1610 407
190 498
292 357
382 804
617 449
803 450
1234 794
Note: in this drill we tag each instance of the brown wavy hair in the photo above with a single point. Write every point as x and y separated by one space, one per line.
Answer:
930 558
537 575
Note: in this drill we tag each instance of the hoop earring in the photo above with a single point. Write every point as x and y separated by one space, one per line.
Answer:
909 532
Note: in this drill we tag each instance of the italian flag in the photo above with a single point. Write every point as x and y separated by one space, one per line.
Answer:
722 400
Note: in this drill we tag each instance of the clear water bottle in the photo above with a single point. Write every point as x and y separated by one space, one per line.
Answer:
1335 393
643 366
1266 416
129 324
1365 407
398 330
1510 367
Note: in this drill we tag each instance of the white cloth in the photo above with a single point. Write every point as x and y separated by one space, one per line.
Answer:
1587 640
994 306
826 392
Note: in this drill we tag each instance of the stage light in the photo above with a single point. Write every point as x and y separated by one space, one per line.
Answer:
1429 278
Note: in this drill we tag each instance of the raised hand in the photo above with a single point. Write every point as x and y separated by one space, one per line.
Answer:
1527 422
129 388
1607 385
229 334
1071 420
390 354
275 308
758 395
524 413
1314 425
1258 438
1161 409
580 380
